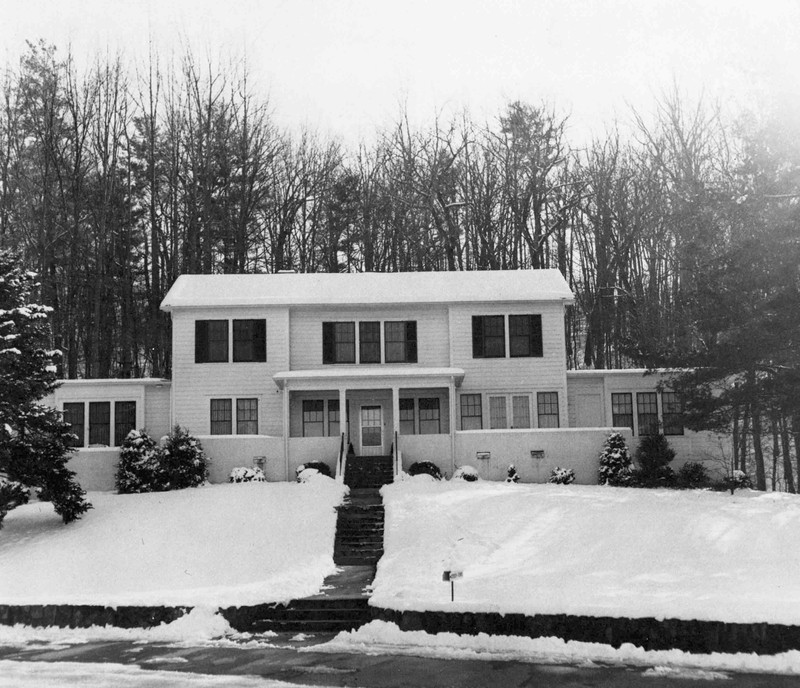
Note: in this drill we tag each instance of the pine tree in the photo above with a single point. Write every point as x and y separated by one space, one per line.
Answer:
34 440
616 467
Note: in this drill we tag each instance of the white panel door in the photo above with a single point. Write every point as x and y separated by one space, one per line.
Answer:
371 423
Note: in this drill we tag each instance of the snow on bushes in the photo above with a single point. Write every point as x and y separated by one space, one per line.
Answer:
737 480
562 476
466 473
245 474
513 476
310 475
426 467
616 467
146 467
319 466
12 494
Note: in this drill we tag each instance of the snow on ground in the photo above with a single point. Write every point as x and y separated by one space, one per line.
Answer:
217 545
60 674
590 550
382 638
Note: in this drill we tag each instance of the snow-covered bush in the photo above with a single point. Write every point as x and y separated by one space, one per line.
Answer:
319 466
693 475
245 474
616 467
466 473
562 476
737 480
139 468
12 494
513 476
183 460
427 467
310 475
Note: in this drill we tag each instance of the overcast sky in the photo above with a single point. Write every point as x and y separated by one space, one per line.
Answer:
345 66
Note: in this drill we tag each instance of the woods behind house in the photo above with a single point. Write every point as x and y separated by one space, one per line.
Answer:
679 237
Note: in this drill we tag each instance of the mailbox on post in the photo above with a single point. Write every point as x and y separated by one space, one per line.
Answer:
451 576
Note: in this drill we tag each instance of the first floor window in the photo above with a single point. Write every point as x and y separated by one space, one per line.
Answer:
210 341
647 411
249 341
313 418
673 413
498 417
471 412
407 417
247 416
429 417
488 336
338 342
334 424
525 335
622 410
547 409
221 417
124 420
401 341
521 411
100 423
73 416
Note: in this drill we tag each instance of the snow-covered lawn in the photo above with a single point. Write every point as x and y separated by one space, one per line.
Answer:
600 551
215 546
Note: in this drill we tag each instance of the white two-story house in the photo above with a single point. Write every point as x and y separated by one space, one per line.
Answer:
451 367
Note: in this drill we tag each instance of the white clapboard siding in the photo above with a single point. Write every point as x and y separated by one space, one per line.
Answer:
195 384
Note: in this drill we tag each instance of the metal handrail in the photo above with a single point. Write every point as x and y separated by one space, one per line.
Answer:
398 466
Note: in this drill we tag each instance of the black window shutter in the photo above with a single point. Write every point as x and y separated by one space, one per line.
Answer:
260 340
537 349
201 341
328 342
477 336
411 341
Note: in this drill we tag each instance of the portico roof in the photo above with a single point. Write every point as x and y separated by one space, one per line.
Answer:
363 376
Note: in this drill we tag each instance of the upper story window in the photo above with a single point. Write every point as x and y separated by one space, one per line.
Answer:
249 341
338 342
401 341
488 336
369 342
672 410
525 335
210 341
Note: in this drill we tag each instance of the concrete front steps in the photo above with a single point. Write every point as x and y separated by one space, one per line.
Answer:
368 471
359 529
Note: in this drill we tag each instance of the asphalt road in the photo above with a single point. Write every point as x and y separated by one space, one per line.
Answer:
282 661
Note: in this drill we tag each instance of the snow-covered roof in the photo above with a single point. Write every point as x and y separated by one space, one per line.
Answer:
352 373
195 291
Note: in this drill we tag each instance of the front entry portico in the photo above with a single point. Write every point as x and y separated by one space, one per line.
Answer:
370 411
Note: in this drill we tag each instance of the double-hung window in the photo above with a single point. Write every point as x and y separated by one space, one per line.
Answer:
672 411
249 341
547 409
647 411
221 417
400 341
429 416
313 418
407 425
100 423
525 336
73 416
471 412
334 424
247 416
338 342
124 420
488 336
210 341
369 342
622 410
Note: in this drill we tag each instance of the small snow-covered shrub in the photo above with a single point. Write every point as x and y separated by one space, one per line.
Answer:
12 494
245 474
562 476
513 476
309 475
183 460
320 466
616 467
466 473
737 480
139 468
692 475
427 467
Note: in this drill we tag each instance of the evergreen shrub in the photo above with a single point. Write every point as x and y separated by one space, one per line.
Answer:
246 474
320 466
562 476
466 473
616 467
692 476
513 476
737 480
139 468
653 456
427 467
183 460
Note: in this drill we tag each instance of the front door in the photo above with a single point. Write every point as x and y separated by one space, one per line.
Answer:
371 431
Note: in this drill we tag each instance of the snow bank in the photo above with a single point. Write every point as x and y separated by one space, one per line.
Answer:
589 550
220 545
381 638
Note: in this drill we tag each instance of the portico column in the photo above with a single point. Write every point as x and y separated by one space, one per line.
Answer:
286 426
453 421
396 414
343 427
